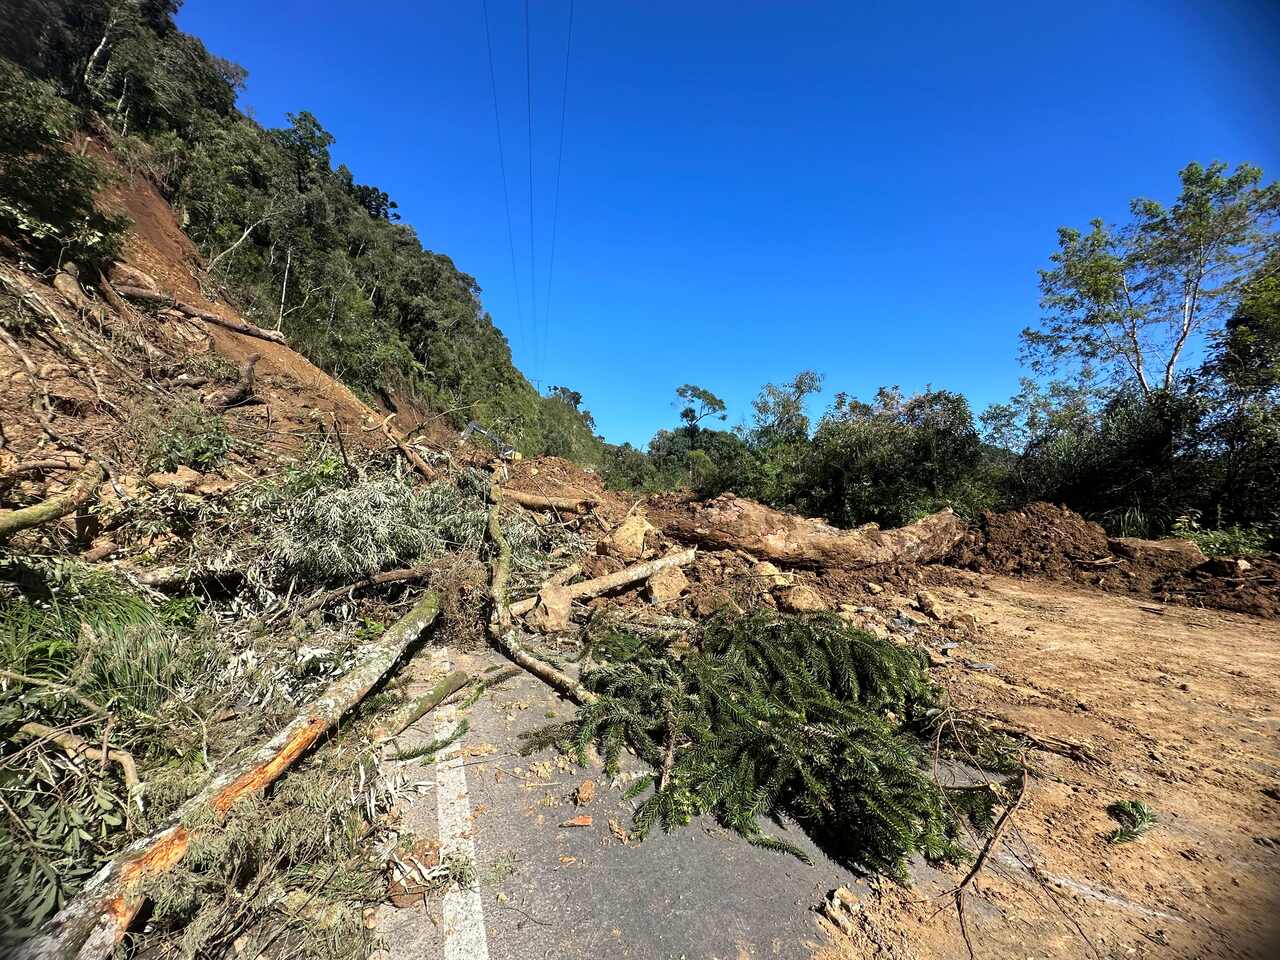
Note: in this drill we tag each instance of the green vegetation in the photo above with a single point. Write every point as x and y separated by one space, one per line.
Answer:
773 715
1135 819
47 186
303 247
188 436
1117 427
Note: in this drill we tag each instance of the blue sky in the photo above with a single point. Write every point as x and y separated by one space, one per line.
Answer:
750 189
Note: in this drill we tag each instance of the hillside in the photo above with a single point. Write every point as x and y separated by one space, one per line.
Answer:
295 244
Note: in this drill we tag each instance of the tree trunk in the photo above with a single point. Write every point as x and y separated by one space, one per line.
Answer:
95 921
59 505
731 523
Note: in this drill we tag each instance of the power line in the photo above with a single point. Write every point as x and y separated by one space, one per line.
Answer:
502 164
533 260
555 210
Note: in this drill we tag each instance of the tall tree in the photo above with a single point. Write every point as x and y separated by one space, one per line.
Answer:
699 404
1129 299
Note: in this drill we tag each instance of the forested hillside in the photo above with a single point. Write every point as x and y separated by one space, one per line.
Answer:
296 244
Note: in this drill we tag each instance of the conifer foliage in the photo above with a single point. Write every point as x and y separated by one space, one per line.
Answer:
774 715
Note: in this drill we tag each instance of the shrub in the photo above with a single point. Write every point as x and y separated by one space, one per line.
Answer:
190 436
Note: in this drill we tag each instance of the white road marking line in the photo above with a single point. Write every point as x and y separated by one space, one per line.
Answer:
464 932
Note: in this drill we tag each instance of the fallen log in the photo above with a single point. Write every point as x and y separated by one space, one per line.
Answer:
535 501
731 523
240 392
95 921
601 585
160 300
421 706
69 500
408 453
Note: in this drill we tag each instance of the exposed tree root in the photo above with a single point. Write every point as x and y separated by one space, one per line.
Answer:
94 922
239 393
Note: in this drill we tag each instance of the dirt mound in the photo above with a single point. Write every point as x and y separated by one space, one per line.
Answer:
1039 540
1043 540
554 477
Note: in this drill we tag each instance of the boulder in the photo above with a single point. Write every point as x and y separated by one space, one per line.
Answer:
551 613
184 480
771 575
667 584
801 599
928 604
627 540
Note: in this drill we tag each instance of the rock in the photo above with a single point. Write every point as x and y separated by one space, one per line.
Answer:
551 613
965 621
667 584
212 485
874 588
801 599
771 575
184 480
627 539
126 275
585 793
928 604
597 565
877 630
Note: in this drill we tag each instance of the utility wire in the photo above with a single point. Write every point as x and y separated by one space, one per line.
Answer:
533 261
502 165
555 209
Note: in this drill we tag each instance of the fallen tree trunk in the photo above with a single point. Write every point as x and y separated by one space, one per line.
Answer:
95 921
408 453
59 505
240 392
731 523
601 585
151 297
536 501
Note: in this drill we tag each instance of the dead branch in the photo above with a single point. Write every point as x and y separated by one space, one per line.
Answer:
601 585
241 392
423 705
415 461
160 300
59 505
983 855
537 502
500 633
390 576
77 747
95 921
